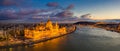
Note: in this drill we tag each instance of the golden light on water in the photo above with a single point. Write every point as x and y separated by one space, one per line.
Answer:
52 45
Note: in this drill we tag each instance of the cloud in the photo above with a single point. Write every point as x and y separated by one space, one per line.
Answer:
11 2
65 13
86 16
52 4
22 12
7 2
14 14
70 7
29 11
8 14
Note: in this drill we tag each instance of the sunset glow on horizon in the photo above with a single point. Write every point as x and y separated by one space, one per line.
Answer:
100 9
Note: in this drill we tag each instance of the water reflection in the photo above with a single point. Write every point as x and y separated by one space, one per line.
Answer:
84 39
51 45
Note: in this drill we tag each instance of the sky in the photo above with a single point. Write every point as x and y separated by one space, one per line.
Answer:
94 9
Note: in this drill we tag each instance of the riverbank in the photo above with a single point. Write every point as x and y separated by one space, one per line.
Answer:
31 42
108 28
115 27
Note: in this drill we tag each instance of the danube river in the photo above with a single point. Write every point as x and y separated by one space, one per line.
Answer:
83 39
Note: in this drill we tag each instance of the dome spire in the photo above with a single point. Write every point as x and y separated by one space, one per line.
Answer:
48 19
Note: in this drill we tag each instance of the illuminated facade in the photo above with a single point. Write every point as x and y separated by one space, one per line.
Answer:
119 27
45 31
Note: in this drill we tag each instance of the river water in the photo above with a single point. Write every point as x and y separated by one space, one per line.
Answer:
83 39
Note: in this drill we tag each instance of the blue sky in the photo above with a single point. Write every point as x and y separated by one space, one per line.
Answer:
99 9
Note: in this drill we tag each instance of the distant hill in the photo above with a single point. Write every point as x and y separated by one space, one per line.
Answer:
85 23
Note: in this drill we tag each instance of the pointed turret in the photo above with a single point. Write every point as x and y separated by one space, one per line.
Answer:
56 25
49 24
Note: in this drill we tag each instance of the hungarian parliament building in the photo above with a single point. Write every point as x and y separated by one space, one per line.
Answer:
44 30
